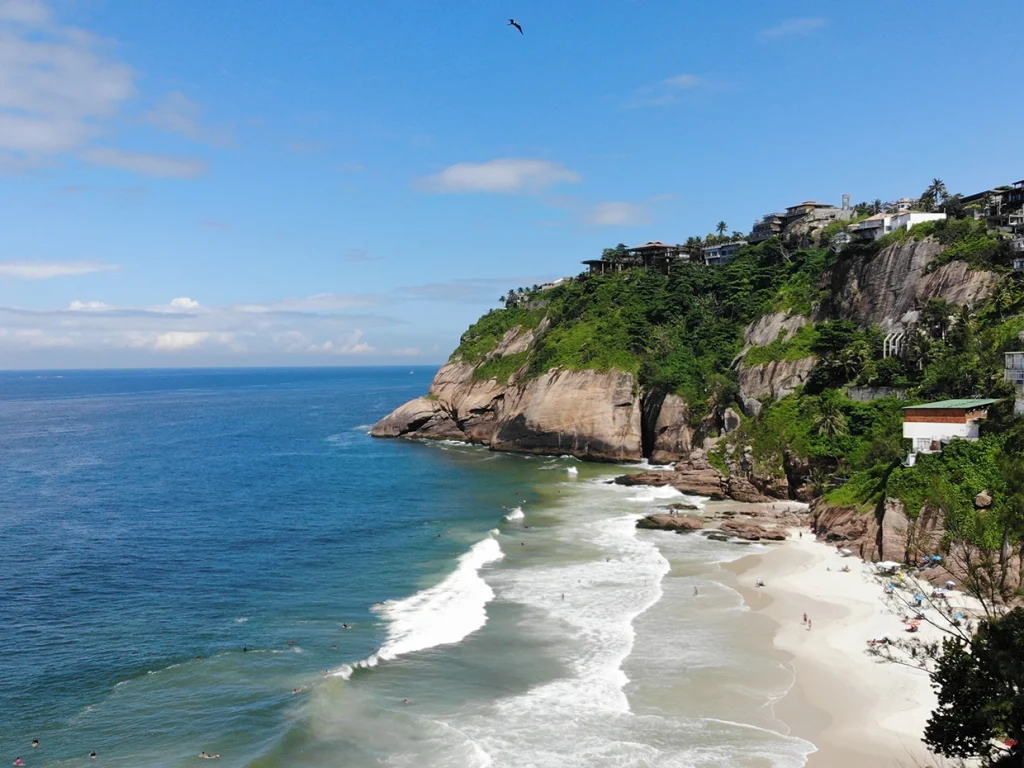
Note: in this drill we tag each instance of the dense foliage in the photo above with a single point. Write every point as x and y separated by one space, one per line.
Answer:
980 687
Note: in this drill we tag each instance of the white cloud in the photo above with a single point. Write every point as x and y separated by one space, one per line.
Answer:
668 90
793 28
88 306
618 214
501 176
406 352
42 270
318 303
61 89
24 11
55 82
175 340
161 166
184 303
177 113
349 345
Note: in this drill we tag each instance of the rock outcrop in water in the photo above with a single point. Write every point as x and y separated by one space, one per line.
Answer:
587 414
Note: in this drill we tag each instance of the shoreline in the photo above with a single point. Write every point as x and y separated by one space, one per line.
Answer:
856 709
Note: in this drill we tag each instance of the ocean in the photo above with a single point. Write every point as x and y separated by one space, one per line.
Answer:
225 561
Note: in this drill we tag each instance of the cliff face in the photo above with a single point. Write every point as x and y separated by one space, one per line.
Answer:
588 414
887 289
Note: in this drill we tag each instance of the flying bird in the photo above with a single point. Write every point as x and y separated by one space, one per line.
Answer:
514 23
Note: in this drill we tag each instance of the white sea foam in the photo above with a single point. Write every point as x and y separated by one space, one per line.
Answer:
516 513
241 620
440 615
645 494
572 471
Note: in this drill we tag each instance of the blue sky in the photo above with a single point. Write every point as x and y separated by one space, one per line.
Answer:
228 182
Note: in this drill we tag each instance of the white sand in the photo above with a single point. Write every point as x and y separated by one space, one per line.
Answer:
857 709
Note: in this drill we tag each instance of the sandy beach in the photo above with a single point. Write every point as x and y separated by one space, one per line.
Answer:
857 709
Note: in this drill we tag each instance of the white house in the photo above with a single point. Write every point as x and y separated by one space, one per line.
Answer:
932 424
881 224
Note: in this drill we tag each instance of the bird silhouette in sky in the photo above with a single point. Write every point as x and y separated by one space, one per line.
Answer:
514 23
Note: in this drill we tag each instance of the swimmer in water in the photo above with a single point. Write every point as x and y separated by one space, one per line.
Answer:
298 690
93 755
19 761
406 701
245 649
291 642
35 743
207 756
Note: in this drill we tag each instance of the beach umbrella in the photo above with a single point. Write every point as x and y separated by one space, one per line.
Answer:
919 597
937 558
846 552
950 584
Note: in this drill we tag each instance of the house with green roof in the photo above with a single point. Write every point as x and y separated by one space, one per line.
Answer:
930 425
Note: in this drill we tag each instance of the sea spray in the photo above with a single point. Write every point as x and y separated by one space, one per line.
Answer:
440 615
516 513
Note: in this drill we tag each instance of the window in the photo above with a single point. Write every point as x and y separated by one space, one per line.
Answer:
922 444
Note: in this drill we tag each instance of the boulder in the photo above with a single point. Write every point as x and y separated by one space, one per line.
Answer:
682 505
699 482
655 479
680 523
846 526
730 421
741 489
983 500
752 531
896 531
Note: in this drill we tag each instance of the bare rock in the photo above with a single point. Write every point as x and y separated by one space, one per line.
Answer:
895 531
681 523
587 414
846 526
752 531
741 489
423 415
682 505
668 422
768 328
983 500
730 421
699 482
777 379
882 289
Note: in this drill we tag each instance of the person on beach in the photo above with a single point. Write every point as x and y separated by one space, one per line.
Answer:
805 617
695 592
808 625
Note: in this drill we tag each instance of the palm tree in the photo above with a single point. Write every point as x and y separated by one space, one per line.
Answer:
876 207
721 228
938 190
830 420
738 235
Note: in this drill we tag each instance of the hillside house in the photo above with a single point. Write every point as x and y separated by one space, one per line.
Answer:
1003 207
1014 373
881 224
769 226
901 205
652 255
716 255
932 424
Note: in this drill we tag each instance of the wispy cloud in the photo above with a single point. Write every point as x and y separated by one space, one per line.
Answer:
618 214
160 166
668 91
360 254
482 290
793 28
501 176
177 113
43 270
60 89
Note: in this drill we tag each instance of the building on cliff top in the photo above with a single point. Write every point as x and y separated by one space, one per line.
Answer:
930 425
1002 207
770 225
652 255
881 224
716 255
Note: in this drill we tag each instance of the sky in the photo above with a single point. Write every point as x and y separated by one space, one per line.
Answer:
312 182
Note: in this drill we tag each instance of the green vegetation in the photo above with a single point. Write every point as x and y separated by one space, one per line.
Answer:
981 705
801 345
484 335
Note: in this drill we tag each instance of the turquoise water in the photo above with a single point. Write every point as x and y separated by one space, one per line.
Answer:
180 554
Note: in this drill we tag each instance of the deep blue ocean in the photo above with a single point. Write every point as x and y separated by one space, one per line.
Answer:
225 561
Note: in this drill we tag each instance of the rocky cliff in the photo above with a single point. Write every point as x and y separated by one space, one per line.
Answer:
588 414
888 289
607 415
